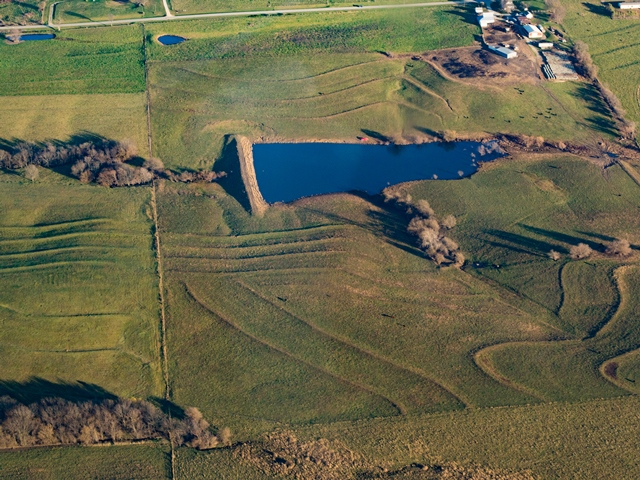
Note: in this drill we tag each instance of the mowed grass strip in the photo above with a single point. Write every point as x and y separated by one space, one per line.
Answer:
87 61
78 281
38 118
149 461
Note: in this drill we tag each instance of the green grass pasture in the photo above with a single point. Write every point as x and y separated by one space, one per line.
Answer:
114 463
591 440
614 46
78 299
349 301
59 117
71 11
87 61
512 215
322 76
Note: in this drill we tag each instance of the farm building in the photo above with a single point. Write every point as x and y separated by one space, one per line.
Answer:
502 51
485 19
532 31
629 5
545 45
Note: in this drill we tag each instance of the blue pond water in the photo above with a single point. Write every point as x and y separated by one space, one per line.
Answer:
289 171
36 36
170 39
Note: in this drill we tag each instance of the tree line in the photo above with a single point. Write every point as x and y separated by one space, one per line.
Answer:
100 161
56 421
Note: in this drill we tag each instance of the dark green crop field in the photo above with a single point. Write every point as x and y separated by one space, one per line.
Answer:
97 60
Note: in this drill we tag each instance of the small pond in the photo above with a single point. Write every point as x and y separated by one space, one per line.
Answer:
170 39
36 36
289 171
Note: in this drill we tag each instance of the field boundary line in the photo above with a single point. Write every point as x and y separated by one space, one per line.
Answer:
163 320
419 85
394 404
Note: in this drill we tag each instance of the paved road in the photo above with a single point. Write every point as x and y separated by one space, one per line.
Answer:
171 17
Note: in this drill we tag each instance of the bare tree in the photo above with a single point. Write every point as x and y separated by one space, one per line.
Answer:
580 251
619 248
423 208
555 256
31 173
582 56
449 222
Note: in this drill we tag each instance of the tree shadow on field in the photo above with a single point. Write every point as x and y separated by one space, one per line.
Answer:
467 15
390 223
531 245
563 237
377 135
36 388
229 162
168 407
597 9
602 120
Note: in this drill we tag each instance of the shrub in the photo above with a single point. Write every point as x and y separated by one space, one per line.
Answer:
619 248
580 251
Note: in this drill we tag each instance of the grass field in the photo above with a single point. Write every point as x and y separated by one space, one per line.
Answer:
87 61
323 76
138 462
82 11
78 283
332 275
557 441
614 46
60 117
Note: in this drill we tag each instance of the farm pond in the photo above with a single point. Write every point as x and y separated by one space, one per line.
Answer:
171 39
30 37
288 171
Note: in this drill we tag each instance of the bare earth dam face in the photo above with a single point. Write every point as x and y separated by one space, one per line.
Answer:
289 171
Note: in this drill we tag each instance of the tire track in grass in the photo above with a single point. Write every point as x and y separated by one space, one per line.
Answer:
399 407
330 353
364 351
290 80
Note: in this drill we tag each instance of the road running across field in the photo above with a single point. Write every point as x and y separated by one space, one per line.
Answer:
171 17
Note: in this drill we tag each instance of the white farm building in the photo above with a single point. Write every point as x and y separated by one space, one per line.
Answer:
532 31
486 18
502 51
629 5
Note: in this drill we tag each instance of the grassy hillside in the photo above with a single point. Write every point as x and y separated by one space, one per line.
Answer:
325 76
138 462
20 13
614 46
338 278
78 297
87 61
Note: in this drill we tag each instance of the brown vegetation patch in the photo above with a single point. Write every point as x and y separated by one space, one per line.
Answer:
283 454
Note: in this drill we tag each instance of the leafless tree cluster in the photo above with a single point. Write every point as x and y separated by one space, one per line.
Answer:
627 128
54 421
556 10
619 248
580 251
101 161
431 232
